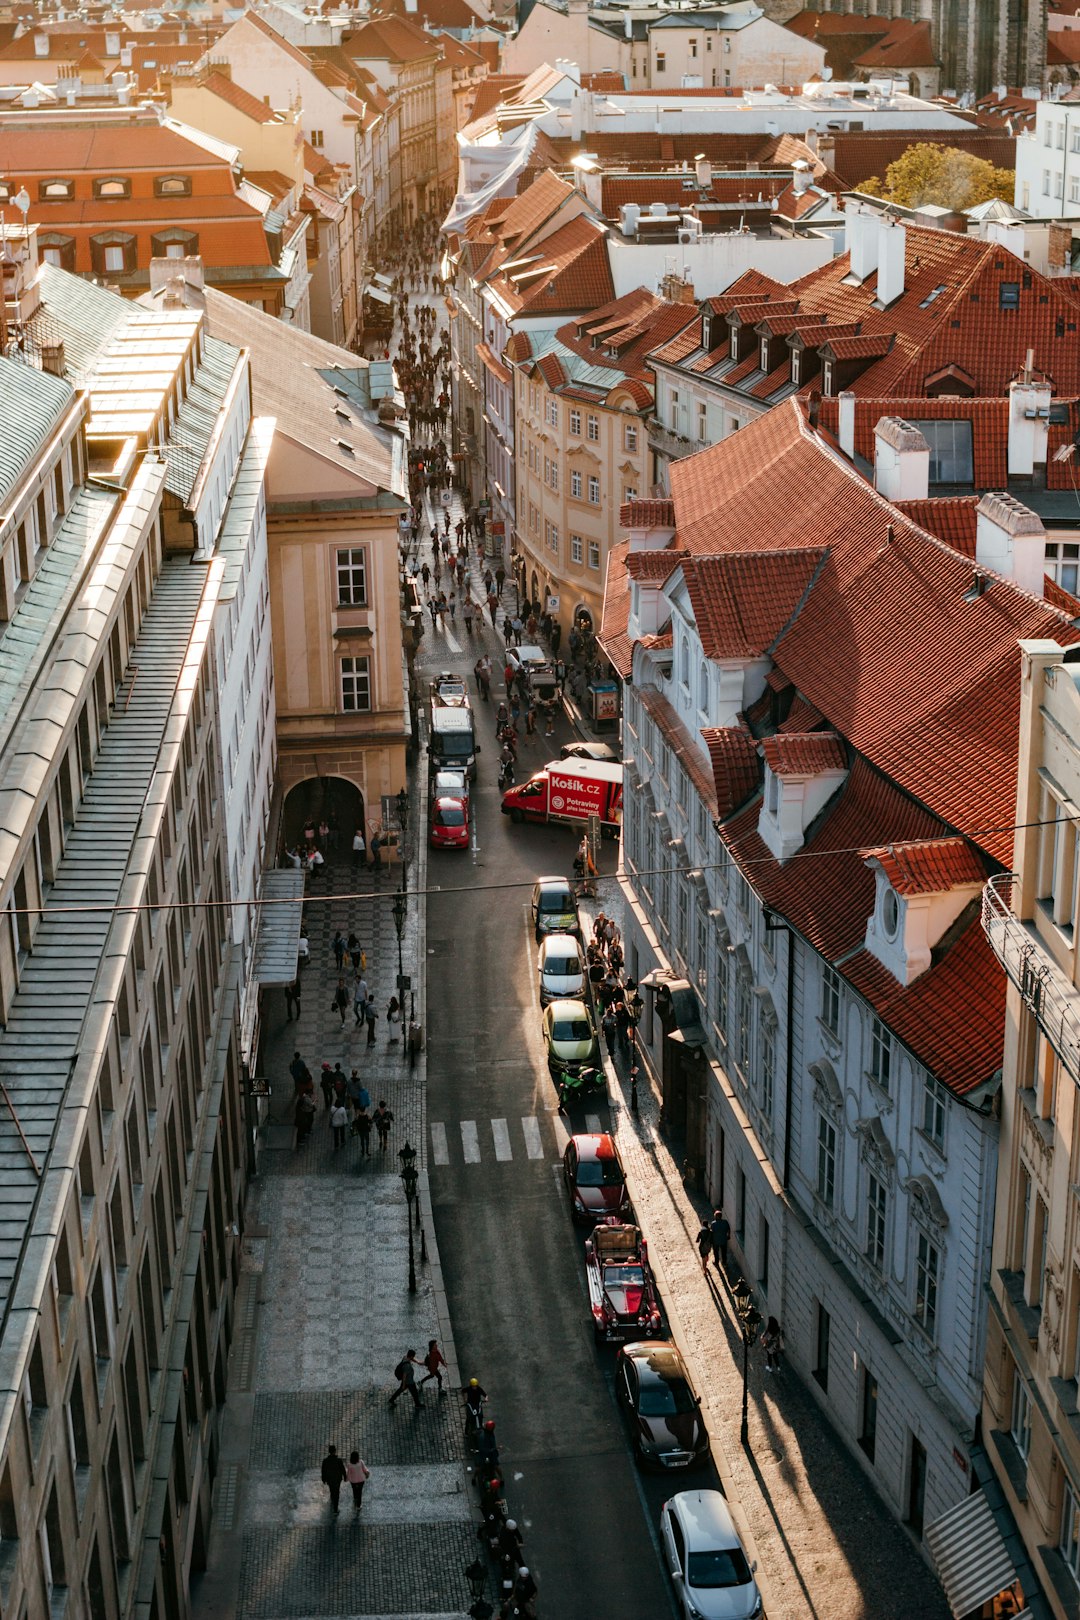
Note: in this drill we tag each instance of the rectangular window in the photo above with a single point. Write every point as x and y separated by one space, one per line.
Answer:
575 485
594 491
927 1264
868 1414
575 423
551 535
1009 295
1020 1423
1069 1539
352 576
702 422
830 999
880 1054
629 437
629 494
763 1253
876 1211
951 453
114 258
592 428
553 412
826 1160
934 1111
356 685
1037 1274
768 1066
577 548
822 1326
594 554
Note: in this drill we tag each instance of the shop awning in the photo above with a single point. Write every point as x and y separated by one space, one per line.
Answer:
380 295
687 1009
970 1556
278 937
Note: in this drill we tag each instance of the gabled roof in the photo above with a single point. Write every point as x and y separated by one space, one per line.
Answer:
928 865
907 44
742 600
625 330
612 634
806 753
390 39
928 686
228 90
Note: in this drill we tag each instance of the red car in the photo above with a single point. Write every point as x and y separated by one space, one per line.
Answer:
449 824
595 1179
622 1294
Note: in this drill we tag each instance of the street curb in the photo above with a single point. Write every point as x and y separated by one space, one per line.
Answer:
622 1119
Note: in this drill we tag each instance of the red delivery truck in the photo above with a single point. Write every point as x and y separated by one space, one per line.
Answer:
569 790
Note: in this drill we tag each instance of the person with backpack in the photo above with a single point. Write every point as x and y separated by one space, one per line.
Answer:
362 1129
434 1361
383 1120
405 1373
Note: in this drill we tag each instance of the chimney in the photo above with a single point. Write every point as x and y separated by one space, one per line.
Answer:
892 246
845 427
1010 538
628 26
901 461
810 139
703 170
1029 422
800 176
112 44
861 239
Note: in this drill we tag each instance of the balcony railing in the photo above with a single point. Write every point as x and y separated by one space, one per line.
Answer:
669 443
1048 992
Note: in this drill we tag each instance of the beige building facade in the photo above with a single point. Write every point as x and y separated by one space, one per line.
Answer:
1033 1344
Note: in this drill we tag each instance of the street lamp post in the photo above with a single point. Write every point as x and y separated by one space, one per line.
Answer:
749 1322
401 907
409 1178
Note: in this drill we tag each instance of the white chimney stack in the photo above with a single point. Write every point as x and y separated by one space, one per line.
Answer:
1010 538
800 176
901 461
861 240
703 170
845 430
1029 425
892 247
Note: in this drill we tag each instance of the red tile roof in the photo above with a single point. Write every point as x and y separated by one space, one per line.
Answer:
742 600
603 82
806 753
802 716
906 45
628 328
735 767
928 686
681 742
952 519
857 156
647 515
653 566
390 39
929 865
235 94
612 634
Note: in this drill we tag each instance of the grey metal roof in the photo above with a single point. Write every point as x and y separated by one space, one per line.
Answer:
38 1048
579 370
190 433
31 404
78 314
25 638
278 939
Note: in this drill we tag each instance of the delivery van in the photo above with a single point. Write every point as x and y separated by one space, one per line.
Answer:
453 742
569 790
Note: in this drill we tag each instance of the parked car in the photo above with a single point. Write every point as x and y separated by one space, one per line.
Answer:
562 972
589 750
449 783
655 1391
449 824
622 1292
554 909
570 1038
594 1178
449 691
705 1557
527 657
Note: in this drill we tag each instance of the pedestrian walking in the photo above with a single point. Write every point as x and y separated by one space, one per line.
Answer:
340 1002
383 1119
362 1128
370 1018
393 1019
610 1026
292 1001
721 1237
304 1116
704 1246
338 947
772 1342
434 1361
339 1119
326 1085
357 1473
405 1373
359 850
360 995
333 1475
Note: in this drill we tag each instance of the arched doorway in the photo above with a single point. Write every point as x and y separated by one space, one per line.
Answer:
332 799
535 591
583 620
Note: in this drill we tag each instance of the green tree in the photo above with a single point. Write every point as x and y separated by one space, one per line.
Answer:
943 175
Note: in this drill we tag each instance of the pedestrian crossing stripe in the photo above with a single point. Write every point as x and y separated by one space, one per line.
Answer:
500 1138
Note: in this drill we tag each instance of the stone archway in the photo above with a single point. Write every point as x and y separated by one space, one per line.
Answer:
333 799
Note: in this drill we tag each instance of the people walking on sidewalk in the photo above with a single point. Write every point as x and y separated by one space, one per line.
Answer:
340 1002
434 1361
339 948
720 1229
362 1128
371 1016
357 1473
292 1001
772 1342
704 1246
333 1475
383 1121
405 1373
360 995
339 1119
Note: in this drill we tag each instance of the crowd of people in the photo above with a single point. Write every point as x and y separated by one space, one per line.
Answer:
346 1103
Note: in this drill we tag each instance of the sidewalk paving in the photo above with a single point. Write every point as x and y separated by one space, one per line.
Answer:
827 1546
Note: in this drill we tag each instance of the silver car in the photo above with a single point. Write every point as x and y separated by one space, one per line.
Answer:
705 1558
562 972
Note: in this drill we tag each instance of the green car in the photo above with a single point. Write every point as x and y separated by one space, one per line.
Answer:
554 909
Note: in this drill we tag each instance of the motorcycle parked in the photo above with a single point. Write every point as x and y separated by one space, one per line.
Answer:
575 1085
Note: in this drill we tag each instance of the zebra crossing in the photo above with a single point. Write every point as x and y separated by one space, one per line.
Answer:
532 1136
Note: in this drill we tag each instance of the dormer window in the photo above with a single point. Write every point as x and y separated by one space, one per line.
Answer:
56 190
172 185
923 887
890 913
112 190
802 772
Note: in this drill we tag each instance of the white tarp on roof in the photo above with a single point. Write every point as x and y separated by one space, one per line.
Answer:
970 1555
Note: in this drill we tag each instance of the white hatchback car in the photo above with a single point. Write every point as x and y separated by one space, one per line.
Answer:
705 1558
562 972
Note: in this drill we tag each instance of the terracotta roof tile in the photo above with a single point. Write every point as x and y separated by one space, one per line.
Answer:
806 753
801 717
628 327
951 519
641 514
735 767
857 155
682 744
235 94
928 866
612 634
743 600
906 45
654 565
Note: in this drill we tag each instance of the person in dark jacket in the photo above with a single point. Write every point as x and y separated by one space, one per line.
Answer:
333 1475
